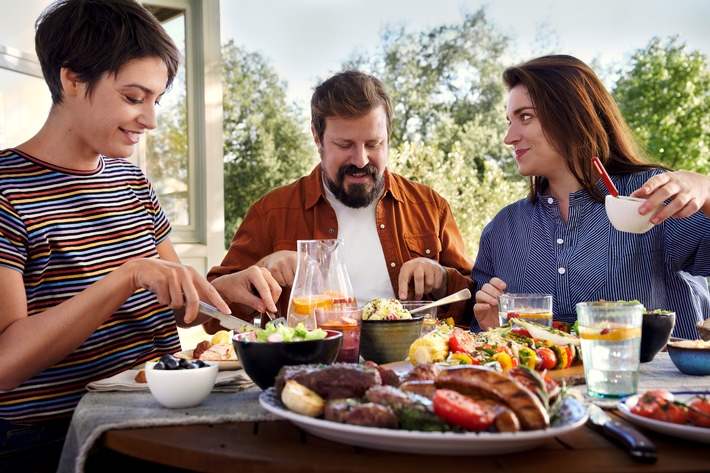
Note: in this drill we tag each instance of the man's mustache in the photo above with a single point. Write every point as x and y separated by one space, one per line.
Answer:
352 169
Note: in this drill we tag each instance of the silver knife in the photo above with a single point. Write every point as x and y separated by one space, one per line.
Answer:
227 321
638 445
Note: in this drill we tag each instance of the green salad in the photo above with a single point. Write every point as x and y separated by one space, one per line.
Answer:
283 333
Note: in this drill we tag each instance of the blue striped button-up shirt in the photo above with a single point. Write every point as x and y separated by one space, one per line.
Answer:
533 250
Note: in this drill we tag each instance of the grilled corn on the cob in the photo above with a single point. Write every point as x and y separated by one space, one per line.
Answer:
431 348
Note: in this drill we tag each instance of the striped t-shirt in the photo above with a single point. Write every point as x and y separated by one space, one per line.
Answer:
532 249
63 230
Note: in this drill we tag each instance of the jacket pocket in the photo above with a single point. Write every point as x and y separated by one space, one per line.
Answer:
426 245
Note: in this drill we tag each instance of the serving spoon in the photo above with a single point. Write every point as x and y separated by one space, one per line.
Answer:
461 295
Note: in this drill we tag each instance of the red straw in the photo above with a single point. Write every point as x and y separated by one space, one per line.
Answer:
599 167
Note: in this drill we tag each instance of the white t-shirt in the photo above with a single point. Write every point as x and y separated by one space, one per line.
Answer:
363 252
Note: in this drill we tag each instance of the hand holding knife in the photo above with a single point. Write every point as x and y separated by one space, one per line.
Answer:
636 444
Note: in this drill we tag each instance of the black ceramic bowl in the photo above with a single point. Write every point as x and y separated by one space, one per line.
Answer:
263 360
655 332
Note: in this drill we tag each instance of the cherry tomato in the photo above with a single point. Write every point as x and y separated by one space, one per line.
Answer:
651 401
672 412
699 412
548 358
562 326
457 409
521 331
461 341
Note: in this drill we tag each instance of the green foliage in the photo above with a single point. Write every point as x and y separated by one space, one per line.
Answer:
474 198
665 98
266 144
449 115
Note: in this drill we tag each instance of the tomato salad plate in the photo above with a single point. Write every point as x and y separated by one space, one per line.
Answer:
687 432
222 365
571 415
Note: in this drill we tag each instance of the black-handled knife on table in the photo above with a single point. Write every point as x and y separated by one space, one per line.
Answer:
227 321
636 444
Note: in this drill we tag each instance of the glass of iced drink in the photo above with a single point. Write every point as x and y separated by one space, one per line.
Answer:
530 307
430 316
610 335
348 321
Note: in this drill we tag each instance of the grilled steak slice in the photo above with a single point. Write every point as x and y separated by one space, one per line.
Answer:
339 380
389 377
423 372
350 411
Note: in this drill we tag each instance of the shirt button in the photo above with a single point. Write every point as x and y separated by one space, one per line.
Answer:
428 252
560 241
561 270
382 225
550 200
393 264
331 230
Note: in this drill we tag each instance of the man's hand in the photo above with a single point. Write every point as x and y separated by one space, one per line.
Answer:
282 266
253 287
486 307
426 275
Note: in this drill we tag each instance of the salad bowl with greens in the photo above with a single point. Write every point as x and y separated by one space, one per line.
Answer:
263 353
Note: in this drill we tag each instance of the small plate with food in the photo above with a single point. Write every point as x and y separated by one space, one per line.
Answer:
357 419
219 349
682 414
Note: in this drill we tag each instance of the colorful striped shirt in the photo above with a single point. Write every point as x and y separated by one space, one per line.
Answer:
532 249
64 230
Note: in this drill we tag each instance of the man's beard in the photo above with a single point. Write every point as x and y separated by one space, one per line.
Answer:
357 195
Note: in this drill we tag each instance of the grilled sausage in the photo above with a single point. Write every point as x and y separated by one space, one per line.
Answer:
424 388
480 381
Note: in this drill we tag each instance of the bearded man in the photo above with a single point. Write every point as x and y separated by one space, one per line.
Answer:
401 239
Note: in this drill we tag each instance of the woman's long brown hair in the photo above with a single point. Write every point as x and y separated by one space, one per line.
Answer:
579 119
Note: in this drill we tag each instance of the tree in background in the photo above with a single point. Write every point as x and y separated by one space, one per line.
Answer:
449 115
266 144
665 98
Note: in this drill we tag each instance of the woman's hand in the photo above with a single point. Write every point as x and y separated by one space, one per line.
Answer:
175 286
486 307
687 191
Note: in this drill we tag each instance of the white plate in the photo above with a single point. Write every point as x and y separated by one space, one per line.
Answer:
222 365
573 415
688 432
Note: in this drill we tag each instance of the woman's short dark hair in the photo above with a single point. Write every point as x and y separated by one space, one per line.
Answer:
95 37
349 94
579 119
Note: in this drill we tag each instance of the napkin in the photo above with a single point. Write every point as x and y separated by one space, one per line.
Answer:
227 381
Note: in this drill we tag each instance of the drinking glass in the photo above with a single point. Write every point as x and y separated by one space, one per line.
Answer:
530 307
610 335
348 321
430 316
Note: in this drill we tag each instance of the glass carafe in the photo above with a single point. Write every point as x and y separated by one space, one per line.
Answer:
321 281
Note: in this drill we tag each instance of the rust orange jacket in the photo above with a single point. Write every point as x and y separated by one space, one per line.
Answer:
413 220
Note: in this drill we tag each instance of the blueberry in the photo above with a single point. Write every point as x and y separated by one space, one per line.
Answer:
171 363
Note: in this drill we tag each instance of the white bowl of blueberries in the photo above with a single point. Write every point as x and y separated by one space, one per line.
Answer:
178 382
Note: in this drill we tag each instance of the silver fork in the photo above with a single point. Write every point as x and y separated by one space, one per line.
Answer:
274 320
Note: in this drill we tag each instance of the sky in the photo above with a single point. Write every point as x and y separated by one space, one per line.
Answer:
308 39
